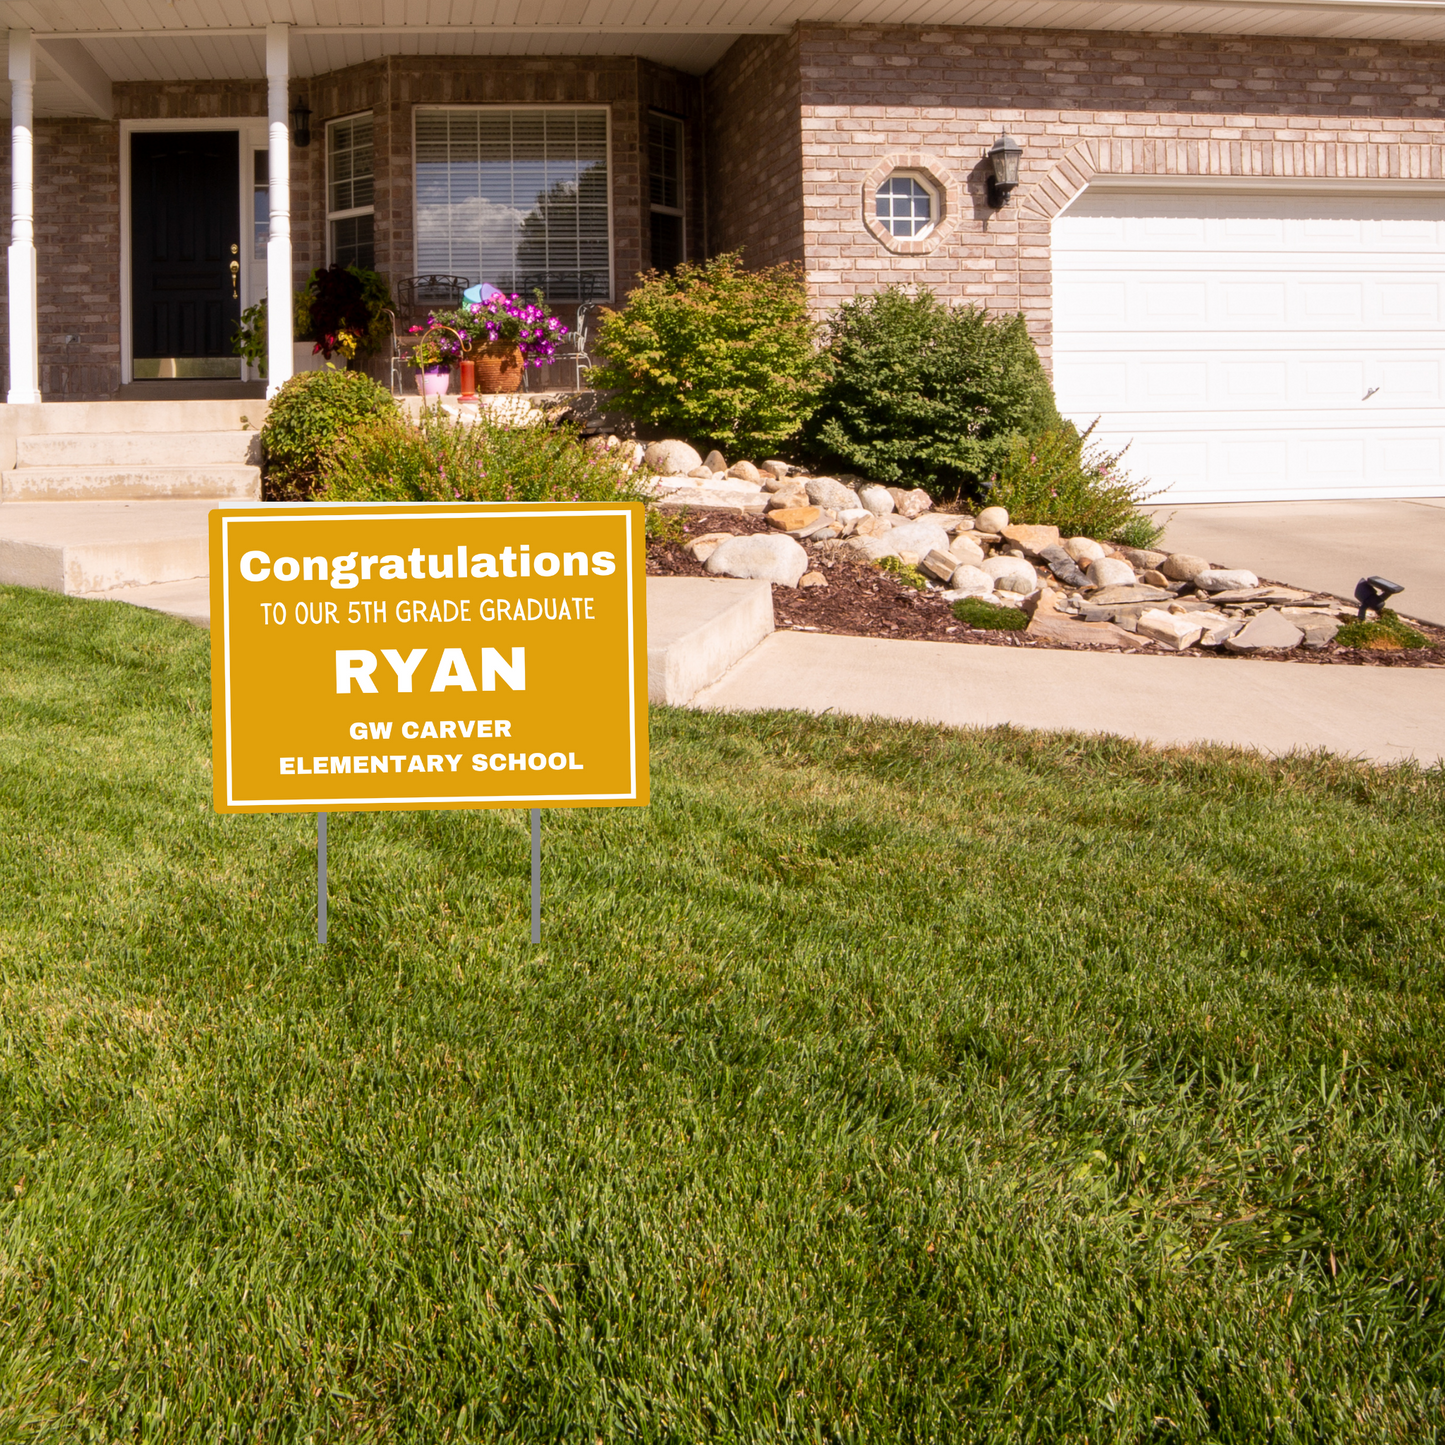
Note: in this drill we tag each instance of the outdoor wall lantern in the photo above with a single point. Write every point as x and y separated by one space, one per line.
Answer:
1005 154
1373 592
300 124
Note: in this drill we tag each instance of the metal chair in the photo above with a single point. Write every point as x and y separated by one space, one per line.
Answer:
418 295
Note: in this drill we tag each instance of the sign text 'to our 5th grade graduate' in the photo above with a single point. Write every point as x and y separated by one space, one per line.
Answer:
469 655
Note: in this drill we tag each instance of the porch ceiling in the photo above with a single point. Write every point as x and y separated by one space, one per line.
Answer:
163 40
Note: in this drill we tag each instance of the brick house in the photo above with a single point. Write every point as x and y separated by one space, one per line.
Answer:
1227 238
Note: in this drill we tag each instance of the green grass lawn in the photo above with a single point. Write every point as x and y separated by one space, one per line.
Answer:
876 1083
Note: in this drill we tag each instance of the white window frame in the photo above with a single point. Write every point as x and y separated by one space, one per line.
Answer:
611 175
935 202
354 211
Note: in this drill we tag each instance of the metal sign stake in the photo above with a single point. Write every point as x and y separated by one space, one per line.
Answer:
536 875
321 879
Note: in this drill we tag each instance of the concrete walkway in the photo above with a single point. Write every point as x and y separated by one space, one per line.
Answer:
1325 545
1383 714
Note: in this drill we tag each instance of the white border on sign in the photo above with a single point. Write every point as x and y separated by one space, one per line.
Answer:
367 515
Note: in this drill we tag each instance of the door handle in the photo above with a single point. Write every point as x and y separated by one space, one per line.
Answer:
235 277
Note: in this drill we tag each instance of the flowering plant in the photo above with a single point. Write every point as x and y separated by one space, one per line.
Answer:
440 345
527 325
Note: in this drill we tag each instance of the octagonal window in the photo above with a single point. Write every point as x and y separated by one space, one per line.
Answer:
907 206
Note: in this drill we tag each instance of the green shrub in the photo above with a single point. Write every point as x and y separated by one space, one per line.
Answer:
1391 631
1056 477
924 394
307 417
897 567
989 615
444 459
714 352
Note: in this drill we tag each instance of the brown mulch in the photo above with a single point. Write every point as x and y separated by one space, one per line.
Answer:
862 601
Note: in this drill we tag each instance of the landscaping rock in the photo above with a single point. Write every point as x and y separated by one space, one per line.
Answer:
869 548
1119 596
777 469
911 504
790 498
825 492
1083 550
1033 539
1154 577
1271 628
1223 579
714 461
1140 558
762 555
703 474
812 579
1057 628
992 519
939 565
870 526
671 459
1011 574
711 498
746 472
701 548
1064 568
795 519
1183 566
920 538
1177 630
971 581
1215 634
876 499
725 483
1319 628
1111 572
966 550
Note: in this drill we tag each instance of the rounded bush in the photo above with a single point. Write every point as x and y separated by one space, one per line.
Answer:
307 417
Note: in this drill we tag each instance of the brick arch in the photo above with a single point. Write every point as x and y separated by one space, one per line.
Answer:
1258 160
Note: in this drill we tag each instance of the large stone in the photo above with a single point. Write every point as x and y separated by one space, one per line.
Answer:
763 555
1121 596
992 519
1224 579
1111 572
775 468
1064 568
1032 538
714 461
870 548
971 581
703 474
703 547
725 483
939 565
1084 550
746 472
1057 628
795 519
1270 629
966 550
710 499
1183 566
670 459
911 504
1177 630
793 497
1216 633
1140 557
1011 574
876 499
920 538
1318 627
825 492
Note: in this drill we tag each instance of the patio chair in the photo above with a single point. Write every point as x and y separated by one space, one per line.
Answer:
418 295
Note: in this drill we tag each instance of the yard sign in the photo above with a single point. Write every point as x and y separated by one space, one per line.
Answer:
428 656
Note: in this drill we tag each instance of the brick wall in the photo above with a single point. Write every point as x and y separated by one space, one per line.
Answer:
755 151
1081 104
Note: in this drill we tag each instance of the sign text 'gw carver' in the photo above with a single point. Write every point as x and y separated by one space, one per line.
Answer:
515 652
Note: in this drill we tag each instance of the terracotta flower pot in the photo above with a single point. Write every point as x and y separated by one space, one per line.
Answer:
499 368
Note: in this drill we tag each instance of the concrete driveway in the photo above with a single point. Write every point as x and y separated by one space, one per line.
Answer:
1328 546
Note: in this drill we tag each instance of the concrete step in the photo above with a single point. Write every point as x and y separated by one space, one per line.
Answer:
189 600
98 546
116 483
110 450
697 628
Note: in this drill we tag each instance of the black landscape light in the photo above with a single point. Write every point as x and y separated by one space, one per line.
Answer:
1005 154
1373 592
301 124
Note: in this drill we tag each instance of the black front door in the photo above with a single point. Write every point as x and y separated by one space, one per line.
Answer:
185 248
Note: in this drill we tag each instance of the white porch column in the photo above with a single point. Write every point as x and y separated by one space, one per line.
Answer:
278 248
24 303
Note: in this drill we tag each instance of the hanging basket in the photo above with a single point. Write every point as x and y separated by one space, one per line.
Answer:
499 368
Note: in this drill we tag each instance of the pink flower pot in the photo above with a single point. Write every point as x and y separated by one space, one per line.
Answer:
434 381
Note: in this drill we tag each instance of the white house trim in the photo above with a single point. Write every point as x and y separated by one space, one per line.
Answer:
279 355
24 298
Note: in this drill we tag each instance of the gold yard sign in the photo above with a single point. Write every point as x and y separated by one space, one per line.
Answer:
428 656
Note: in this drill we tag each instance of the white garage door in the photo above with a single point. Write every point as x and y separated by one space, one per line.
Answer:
1256 346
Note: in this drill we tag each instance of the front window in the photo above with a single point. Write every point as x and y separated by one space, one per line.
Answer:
664 173
906 206
350 192
517 198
